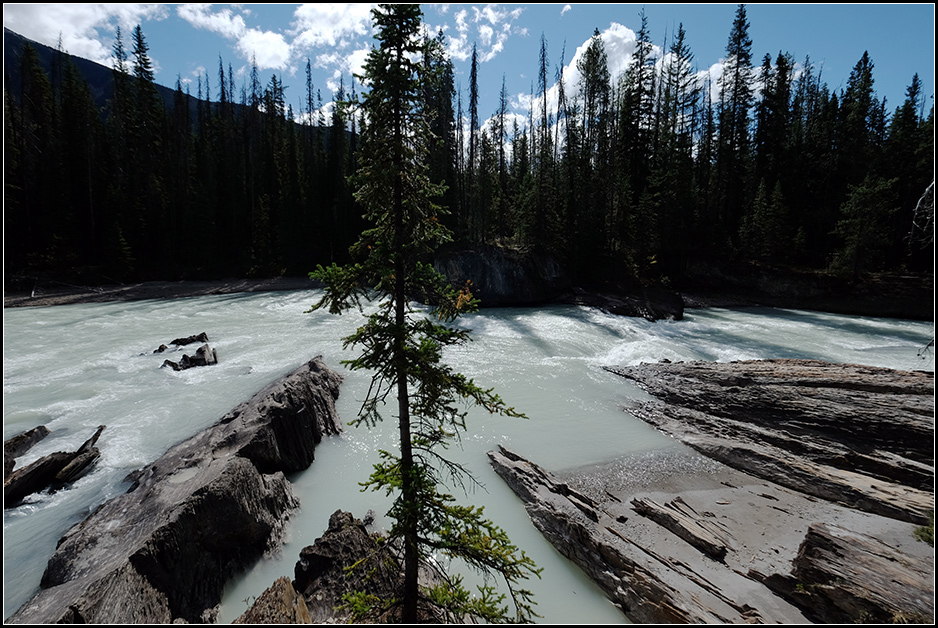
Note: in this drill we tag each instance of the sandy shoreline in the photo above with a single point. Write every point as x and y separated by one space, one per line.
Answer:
62 294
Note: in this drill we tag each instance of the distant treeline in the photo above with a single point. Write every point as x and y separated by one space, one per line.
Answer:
627 175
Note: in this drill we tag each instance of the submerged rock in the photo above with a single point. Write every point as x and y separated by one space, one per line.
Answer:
208 507
652 303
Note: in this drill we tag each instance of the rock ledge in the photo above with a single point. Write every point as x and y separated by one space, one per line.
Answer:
824 472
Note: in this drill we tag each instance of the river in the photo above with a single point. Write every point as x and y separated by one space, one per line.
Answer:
72 368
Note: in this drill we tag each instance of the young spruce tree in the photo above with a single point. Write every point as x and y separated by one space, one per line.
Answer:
403 347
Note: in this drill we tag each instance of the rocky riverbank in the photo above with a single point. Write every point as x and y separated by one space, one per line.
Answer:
210 506
54 293
801 505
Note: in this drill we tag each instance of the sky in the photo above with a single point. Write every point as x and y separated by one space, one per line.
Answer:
187 40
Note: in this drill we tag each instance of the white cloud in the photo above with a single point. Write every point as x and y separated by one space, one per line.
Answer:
87 30
326 32
565 8
223 22
458 47
486 33
494 25
356 61
270 50
619 43
332 25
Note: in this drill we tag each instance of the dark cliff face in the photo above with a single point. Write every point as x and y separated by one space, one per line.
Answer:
507 277
504 277
886 295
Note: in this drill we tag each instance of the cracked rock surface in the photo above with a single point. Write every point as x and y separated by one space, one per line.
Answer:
796 470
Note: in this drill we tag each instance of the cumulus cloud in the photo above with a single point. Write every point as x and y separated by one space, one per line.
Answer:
86 30
619 43
331 35
269 49
224 22
332 25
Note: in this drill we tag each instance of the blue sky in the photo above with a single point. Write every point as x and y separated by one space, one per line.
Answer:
186 40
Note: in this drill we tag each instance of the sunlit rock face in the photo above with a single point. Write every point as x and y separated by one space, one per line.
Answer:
504 277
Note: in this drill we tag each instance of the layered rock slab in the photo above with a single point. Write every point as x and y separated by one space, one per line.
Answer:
657 572
652 577
840 576
732 544
207 508
856 435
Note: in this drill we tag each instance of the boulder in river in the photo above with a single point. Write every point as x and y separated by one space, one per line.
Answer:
278 604
346 558
209 507
51 471
204 356
18 445
181 342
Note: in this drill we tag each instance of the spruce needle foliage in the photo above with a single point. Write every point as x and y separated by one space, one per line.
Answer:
402 346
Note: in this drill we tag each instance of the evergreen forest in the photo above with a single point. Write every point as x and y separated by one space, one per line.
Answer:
632 175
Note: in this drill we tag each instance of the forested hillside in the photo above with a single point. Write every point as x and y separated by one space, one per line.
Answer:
630 175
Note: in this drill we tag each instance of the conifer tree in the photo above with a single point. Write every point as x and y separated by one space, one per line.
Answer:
733 149
594 176
402 346
863 227
475 208
637 109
